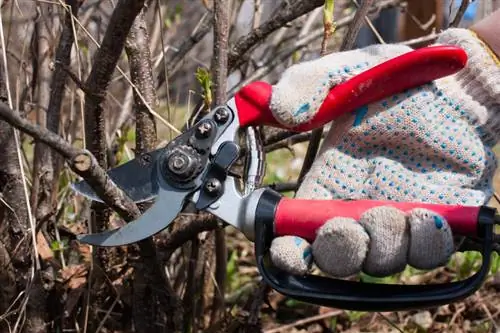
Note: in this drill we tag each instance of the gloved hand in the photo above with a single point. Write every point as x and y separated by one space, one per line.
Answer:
430 144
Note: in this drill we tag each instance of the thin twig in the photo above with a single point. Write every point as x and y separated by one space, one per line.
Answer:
288 142
497 197
76 80
311 152
390 322
430 37
165 69
257 13
460 13
422 25
372 27
190 300
289 11
284 187
107 314
254 305
200 31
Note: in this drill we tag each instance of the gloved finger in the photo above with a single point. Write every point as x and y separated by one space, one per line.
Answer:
291 254
431 240
302 88
340 247
389 240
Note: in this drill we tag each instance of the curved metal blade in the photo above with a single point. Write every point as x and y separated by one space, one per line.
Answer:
168 204
136 178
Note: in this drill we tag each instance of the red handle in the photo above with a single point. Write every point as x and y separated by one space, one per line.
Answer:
300 217
406 71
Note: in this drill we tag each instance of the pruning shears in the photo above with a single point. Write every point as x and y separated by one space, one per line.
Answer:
194 168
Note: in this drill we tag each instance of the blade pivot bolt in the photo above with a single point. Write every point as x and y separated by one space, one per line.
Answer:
203 130
221 116
182 164
213 186
177 162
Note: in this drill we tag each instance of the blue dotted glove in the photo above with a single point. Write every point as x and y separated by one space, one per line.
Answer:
430 144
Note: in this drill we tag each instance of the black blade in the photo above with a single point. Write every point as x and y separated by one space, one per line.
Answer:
136 178
168 204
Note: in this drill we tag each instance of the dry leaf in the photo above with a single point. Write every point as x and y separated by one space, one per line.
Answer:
76 283
74 275
74 227
43 247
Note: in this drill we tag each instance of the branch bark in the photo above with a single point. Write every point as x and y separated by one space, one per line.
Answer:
43 172
139 56
46 167
80 161
98 80
51 93
96 86
13 213
148 274
219 76
97 83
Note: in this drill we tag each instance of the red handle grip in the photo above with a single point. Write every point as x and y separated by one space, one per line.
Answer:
406 71
301 217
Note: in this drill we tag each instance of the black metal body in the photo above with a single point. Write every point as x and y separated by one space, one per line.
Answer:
189 163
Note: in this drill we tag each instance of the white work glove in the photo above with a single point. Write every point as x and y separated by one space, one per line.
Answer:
430 144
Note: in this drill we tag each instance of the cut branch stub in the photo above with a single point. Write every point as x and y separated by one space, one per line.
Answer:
82 162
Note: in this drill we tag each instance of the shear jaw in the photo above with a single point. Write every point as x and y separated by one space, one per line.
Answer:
181 169
154 220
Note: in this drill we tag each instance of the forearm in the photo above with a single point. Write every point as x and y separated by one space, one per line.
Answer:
488 30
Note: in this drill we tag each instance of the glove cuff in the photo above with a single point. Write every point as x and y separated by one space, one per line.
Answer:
480 79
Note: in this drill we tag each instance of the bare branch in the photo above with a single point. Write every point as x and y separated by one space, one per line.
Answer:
149 271
288 142
137 49
460 13
13 207
201 30
47 166
96 86
81 162
219 77
98 80
356 25
288 11
219 60
185 228
43 172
